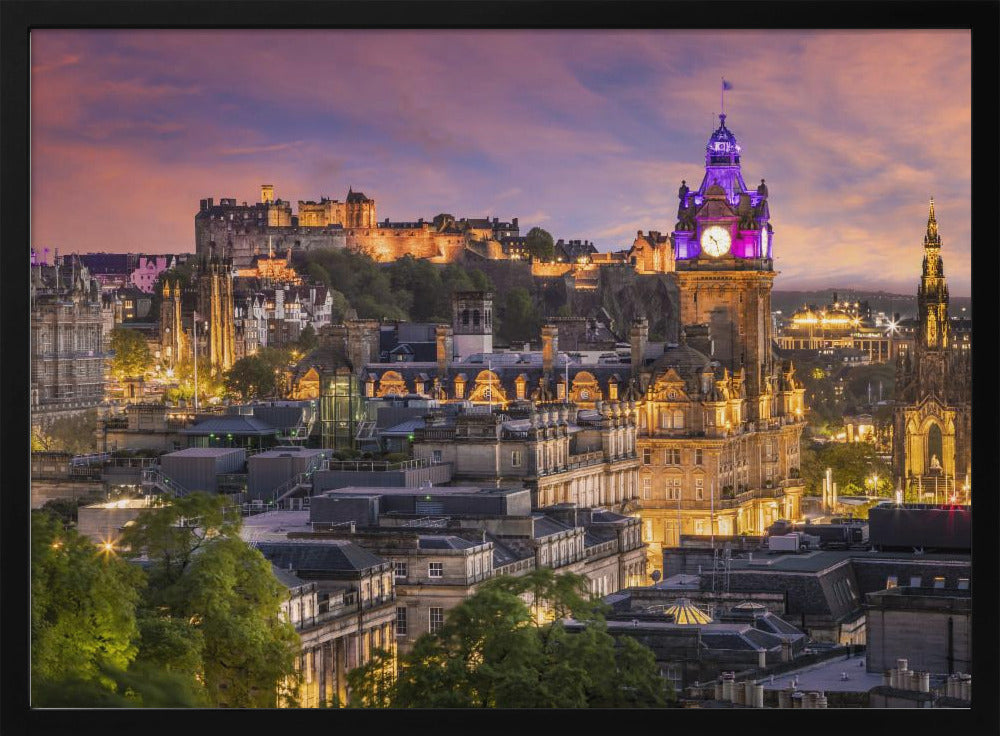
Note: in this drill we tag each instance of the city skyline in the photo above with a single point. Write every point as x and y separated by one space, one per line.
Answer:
587 134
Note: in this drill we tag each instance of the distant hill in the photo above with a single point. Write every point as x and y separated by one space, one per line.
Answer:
881 301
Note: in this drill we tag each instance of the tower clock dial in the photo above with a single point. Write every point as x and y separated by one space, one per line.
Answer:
715 241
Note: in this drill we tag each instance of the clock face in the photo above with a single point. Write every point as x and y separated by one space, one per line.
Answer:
715 241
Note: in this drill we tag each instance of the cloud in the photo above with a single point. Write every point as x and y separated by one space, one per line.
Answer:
251 150
586 132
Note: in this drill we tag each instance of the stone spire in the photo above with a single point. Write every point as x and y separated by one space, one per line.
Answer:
932 238
932 296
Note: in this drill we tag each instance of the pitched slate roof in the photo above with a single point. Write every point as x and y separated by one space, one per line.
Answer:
287 578
443 542
403 429
546 526
236 424
327 556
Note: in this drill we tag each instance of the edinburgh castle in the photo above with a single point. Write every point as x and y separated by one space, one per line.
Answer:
243 231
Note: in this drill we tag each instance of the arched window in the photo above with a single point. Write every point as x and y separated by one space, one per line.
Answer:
934 446
475 318
465 317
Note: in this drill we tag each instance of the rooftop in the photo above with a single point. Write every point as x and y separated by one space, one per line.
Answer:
332 555
827 676
420 491
273 525
205 452
231 424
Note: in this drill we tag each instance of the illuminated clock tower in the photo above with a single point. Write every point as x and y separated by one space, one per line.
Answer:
723 243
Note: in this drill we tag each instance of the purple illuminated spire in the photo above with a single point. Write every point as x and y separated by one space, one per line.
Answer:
722 148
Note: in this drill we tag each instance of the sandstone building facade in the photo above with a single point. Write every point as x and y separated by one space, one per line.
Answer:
68 356
249 230
720 418
932 420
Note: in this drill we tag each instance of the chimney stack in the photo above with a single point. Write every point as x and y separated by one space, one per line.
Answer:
638 337
445 349
550 348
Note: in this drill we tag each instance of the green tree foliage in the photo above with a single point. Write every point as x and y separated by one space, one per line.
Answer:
853 464
365 285
209 384
521 320
307 339
132 357
859 378
406 289
83 607
496 650
211 589
76 434
138 686
539 244
371 684
259 375
67 510
422 280
251 378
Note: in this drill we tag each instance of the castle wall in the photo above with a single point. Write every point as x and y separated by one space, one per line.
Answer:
388 244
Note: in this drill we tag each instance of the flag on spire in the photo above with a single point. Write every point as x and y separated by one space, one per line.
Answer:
725 85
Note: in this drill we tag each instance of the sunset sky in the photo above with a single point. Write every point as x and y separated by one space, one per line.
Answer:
587 134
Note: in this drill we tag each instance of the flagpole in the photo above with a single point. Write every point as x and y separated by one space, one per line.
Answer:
195 326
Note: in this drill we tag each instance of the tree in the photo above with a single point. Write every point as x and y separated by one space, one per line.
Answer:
854 464
539 244
371 684
67 510
210 588
521 320
251 377
209 385
132 357
83 607
307 339
75 434
496 650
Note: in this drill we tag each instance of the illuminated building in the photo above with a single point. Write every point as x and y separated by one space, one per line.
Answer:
720 417
932 420
68 358
174 341
215 307
249 230
840 325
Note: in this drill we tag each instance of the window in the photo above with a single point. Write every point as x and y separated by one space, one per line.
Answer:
963 583
673 673
915 581
891 582
436 456
436 620
674 488
699 527
647 456
399 569
699 456
515 458
939 582
672 457
647 485
435 569
401 621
